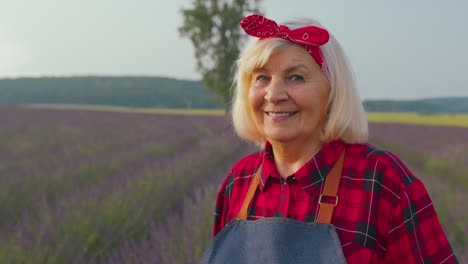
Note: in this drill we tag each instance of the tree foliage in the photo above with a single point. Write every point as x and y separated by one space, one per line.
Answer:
213 27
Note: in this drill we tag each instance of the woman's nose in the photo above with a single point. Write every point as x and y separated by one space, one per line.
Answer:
276 91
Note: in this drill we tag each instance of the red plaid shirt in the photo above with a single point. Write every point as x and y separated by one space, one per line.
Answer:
384 212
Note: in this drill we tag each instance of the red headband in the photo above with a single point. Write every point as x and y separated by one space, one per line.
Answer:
310 37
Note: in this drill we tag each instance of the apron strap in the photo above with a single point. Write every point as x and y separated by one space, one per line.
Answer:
332 181
330 189
250 193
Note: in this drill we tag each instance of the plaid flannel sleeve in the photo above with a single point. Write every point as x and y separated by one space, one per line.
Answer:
222 205
415 234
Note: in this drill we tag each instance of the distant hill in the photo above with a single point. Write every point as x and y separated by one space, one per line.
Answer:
114 91
167 93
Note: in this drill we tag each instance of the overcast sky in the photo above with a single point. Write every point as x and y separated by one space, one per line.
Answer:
399 49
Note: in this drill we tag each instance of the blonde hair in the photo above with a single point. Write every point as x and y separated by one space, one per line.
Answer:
346 119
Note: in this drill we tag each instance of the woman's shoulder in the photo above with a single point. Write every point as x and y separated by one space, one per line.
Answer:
381 163
371 152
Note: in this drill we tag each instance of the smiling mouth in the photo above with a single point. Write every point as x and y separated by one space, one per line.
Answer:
280 114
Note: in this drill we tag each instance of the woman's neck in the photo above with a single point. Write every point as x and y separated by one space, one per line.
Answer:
291 156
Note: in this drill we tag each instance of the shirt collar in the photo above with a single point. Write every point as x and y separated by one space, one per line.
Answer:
312 173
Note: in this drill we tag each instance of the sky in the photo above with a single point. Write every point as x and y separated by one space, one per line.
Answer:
398 49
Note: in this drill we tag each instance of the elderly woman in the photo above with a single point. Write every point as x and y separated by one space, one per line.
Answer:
317 192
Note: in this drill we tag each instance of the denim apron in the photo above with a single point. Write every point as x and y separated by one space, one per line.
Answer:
280 240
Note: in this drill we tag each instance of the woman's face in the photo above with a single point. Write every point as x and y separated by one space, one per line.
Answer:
288 97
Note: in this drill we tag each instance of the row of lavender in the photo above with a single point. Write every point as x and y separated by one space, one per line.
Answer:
97 187
83 186
54 152
180 239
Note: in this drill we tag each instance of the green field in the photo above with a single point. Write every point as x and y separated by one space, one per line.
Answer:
460 120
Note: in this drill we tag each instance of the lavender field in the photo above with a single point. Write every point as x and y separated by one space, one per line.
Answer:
82 186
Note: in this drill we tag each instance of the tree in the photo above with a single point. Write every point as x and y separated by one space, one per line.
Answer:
213 27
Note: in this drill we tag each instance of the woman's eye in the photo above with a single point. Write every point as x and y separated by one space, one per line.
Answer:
296 77
261 78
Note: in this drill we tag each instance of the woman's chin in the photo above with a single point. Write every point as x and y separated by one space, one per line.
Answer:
280 137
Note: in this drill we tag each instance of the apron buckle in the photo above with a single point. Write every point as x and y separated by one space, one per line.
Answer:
331 197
